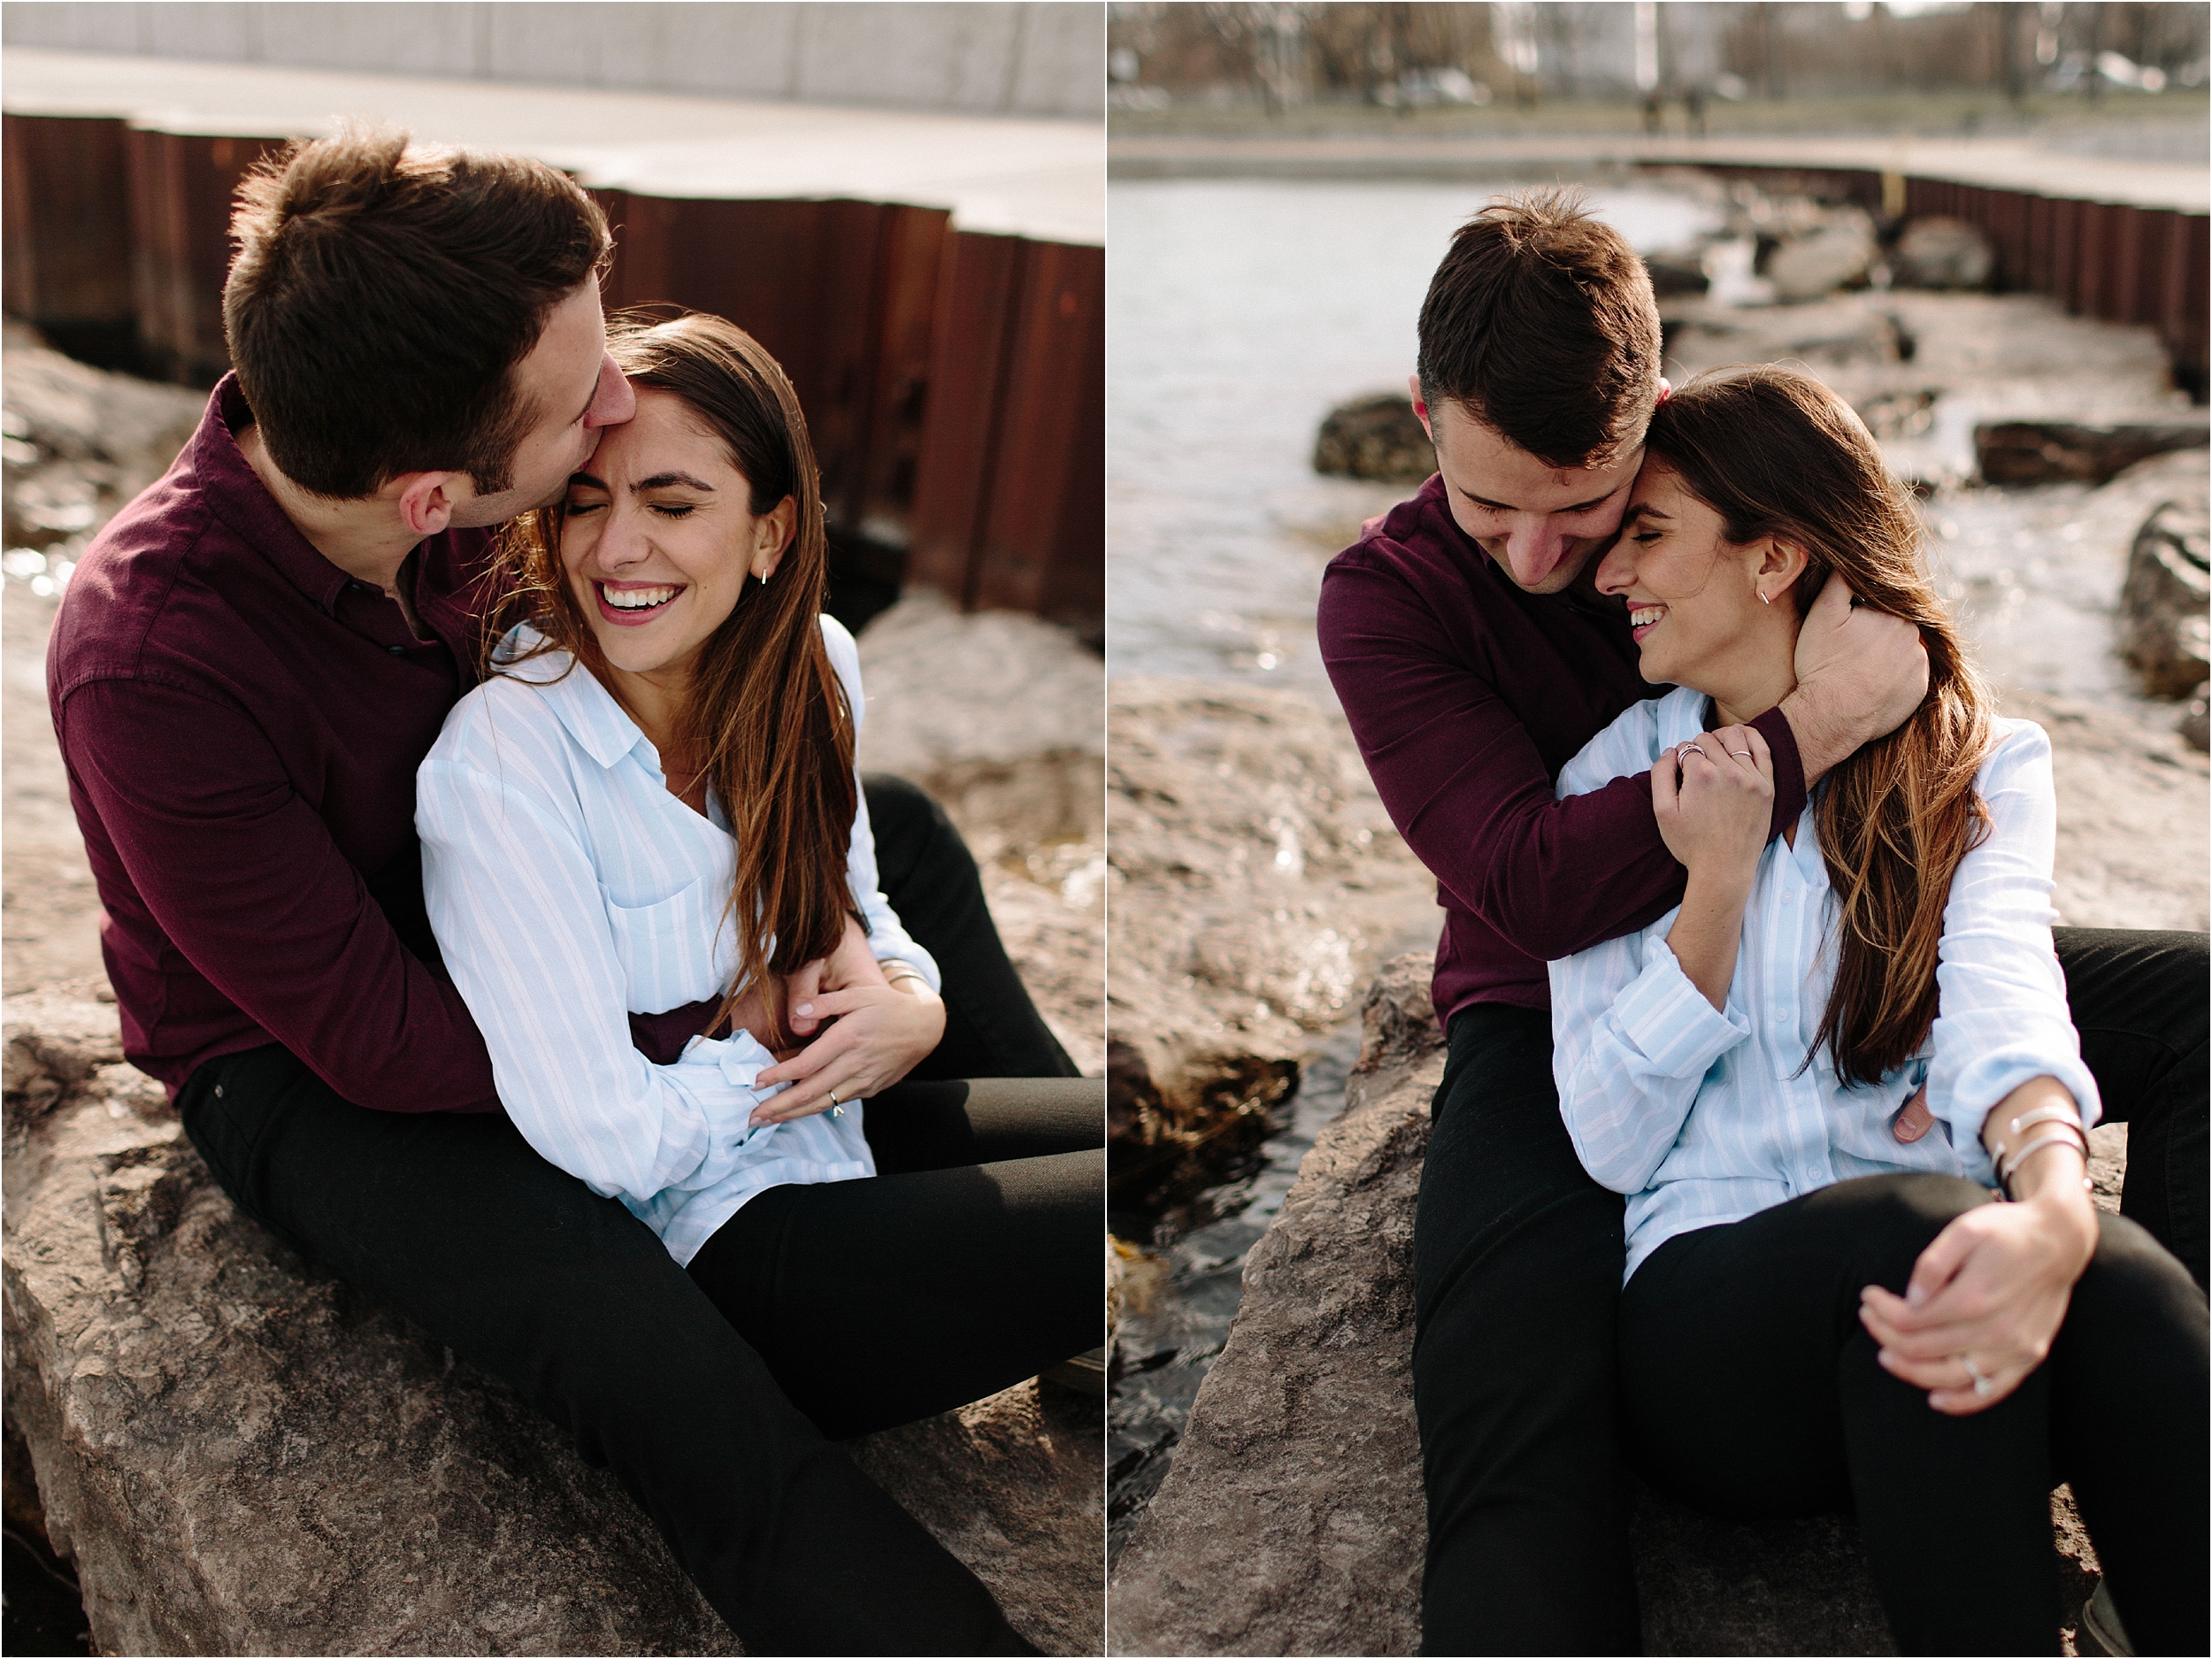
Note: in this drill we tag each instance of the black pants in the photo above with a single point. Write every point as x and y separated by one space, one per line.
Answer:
1517 1259
454 1220
1752 1389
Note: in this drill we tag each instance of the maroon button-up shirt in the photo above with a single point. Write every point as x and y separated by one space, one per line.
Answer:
242 722
1466 695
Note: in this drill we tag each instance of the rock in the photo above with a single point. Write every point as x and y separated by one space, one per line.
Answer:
1271 881
1677 272
1819 335
79 443
1291 1521
1011 740
1938 252
1834 255
2057 450
2194 726
1377 437
2162 618
242 1455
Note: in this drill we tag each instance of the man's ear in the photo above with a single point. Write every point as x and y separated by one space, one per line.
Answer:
1420 407
426 500
771 537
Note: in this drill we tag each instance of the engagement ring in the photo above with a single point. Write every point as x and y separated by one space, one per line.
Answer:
1984 1386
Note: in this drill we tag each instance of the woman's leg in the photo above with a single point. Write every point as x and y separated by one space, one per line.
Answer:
2128 1389
1752 1389
992 1029
879 1301
928 1124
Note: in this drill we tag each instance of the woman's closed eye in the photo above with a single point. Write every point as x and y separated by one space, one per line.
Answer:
675 510
578 508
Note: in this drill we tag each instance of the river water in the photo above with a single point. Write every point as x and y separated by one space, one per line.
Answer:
1239 314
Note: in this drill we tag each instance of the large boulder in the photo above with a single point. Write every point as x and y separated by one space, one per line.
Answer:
1377 437
242 1455
1834 255
1272 882
1291 1521
2059 450
2162 618
1937 252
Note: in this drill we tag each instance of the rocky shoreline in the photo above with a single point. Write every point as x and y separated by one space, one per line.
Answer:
235 1452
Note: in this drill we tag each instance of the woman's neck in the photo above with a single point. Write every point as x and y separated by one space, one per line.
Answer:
655 699
1757 673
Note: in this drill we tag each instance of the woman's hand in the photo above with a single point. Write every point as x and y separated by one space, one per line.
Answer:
877 1033
1714 798
1987 1296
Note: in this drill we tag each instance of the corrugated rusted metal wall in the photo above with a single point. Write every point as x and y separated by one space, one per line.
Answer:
954 384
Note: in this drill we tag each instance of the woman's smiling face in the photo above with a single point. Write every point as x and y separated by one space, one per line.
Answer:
658 537
1692 596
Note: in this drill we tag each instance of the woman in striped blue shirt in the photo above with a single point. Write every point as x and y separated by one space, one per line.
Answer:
1807 1077
649 863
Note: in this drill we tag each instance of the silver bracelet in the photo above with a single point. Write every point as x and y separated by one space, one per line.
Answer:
2069 1135
2054 1113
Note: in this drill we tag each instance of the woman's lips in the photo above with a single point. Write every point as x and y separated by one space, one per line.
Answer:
660 595
1643 619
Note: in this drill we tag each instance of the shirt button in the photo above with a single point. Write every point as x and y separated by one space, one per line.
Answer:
218 1091
397 650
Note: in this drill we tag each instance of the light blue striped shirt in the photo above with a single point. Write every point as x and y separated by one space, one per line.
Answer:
568 890
1703 1116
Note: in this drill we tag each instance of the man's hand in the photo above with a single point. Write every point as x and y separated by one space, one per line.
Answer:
1861 673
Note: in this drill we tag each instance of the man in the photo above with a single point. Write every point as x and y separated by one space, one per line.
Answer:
251 663
1473 658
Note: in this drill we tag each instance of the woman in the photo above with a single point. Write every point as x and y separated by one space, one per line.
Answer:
649 867
1808 1077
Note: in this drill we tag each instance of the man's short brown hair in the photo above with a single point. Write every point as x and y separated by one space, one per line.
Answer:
382 294
1541 323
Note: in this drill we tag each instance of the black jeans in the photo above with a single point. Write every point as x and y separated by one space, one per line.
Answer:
454 1220
1752 1389
1517 1264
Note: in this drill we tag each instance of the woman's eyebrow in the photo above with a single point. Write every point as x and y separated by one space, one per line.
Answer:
1641 510
662 480
587 480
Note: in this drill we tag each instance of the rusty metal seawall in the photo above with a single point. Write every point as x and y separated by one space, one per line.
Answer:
2109 260
954 382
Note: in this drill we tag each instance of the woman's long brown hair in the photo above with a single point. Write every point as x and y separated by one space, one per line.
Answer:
1776 453
767 717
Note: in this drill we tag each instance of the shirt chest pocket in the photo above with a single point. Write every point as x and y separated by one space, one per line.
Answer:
666 950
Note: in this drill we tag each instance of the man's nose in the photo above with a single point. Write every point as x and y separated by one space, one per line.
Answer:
612 401
1533 547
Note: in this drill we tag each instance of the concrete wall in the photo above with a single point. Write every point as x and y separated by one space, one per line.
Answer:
1033 59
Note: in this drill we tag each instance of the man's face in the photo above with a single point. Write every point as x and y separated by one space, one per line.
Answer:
1540 524
575 388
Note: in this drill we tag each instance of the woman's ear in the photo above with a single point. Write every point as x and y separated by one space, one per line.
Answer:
771 537
1781 562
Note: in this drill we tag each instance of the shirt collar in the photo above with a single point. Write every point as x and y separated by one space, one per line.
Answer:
586 709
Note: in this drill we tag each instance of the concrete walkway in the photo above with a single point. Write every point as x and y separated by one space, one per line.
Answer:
1040 179
2006 163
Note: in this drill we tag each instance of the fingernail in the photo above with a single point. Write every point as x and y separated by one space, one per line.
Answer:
805 1010
1915 1295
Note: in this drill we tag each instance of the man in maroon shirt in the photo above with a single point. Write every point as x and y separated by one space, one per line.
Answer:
251 663
1474 658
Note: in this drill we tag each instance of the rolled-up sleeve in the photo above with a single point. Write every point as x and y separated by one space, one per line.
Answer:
520 917
2002 1014
887 938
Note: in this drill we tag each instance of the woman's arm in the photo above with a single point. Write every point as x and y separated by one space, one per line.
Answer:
520 917
1637 1023
1994 1285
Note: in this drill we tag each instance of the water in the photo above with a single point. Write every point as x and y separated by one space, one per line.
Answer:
1239 314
